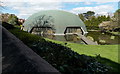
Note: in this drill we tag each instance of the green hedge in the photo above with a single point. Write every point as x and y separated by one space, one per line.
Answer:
27 38
7 25
61 57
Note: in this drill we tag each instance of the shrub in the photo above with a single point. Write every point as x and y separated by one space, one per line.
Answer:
27 38
7 25
66 60
61 57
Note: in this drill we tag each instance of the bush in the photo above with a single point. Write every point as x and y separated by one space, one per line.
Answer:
27 38
66 60
7 25
61 57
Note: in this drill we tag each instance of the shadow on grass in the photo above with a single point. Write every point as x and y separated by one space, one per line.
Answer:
115 66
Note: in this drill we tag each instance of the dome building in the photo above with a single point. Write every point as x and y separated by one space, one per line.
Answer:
55 22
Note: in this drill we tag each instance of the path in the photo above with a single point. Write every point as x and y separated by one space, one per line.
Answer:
85 39
18 58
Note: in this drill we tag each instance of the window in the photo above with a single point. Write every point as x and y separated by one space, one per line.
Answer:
42 30
73 30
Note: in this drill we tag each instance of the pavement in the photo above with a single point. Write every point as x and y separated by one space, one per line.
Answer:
19 58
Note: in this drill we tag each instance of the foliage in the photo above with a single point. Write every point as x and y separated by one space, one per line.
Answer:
65 60
91 50
26 37
116 14
7 25
112 24
61 57
9 18
91 21
88 14
45 21
81 17
13 20
95 21
117 17
104 51
115 66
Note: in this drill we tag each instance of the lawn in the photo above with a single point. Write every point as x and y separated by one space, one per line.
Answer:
61 57
109 54
106 51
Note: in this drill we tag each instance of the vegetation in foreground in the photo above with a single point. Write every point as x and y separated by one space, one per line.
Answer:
105 51
61 57
105 54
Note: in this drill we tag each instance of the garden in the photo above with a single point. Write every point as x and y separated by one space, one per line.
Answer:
71 57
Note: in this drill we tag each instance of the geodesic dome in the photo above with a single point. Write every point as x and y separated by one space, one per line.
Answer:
58 20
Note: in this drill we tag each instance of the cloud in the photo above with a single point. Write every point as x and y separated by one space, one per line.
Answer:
26 9
103 1
88 3
43 0
102 9
60 0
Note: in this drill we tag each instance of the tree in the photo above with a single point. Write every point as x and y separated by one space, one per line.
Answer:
44 21
89 14
117 15
81 17
116 18
91 21
13 20
108 18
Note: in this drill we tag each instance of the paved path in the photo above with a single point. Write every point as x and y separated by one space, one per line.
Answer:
86 40
18 58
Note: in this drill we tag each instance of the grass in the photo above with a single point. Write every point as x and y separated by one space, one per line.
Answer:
69 61
116 33
106 51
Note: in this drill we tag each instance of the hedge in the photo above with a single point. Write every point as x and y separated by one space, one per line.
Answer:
61 57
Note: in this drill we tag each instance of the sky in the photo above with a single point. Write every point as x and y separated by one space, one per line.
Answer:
24 8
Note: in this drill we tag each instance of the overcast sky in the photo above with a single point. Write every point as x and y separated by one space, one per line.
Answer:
25 8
